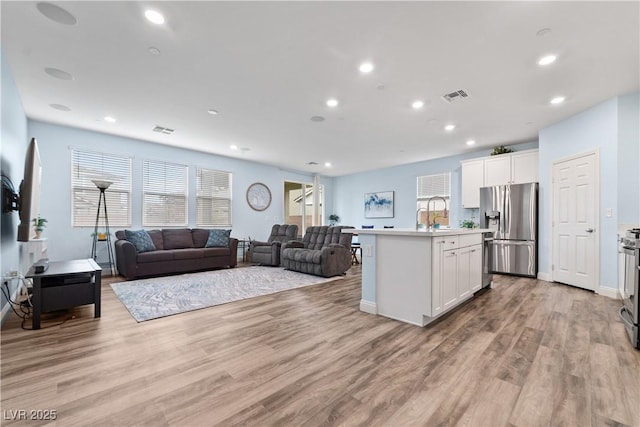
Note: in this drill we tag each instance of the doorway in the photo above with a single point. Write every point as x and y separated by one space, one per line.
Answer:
299 206
575 221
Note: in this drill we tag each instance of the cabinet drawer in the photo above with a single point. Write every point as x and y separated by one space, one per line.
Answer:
469 240
450 242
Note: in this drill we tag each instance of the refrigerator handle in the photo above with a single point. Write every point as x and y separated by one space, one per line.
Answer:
505 209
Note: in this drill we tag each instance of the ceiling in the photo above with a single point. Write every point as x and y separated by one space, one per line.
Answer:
268 67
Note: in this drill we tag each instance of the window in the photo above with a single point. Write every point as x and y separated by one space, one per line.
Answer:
164 194
87 166
213 198
436 188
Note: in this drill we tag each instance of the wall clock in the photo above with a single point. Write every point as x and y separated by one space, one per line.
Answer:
258 196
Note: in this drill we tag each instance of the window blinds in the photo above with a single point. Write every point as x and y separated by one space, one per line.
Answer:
213 198
434 185
87 166
164 194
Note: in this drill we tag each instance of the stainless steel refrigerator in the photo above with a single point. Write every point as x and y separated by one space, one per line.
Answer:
511 213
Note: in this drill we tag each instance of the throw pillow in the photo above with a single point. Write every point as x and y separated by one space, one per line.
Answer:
218 238
140 239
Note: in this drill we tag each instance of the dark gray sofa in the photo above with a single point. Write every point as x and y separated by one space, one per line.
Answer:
323 251
177 251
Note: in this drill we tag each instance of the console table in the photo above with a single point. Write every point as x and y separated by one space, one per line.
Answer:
65 284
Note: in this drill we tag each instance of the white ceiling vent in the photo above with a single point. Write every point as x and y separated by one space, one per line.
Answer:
455 96
164 130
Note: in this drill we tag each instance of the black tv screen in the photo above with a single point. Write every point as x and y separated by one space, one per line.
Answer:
29 198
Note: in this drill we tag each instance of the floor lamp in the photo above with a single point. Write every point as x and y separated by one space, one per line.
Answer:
102 202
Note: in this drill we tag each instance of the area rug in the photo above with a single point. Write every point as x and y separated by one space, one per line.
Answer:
148 299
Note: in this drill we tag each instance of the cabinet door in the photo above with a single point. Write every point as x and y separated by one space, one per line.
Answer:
497 170
472 180
464 277
449 278
437 256
475 268
524 167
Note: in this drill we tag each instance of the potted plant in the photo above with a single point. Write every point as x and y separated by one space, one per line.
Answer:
39 224
334 219
501 149
468 223
435 216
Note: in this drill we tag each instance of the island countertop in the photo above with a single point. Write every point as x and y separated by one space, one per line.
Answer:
416 276
417 233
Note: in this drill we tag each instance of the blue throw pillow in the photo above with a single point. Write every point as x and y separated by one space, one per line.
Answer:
140 239
218 239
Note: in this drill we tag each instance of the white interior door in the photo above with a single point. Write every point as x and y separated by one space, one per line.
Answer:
575 216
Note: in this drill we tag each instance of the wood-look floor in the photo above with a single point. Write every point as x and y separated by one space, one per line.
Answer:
524 353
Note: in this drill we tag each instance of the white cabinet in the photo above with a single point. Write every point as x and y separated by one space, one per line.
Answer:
450 293
472 180
524 167
456 270
469 270
497 170
512 168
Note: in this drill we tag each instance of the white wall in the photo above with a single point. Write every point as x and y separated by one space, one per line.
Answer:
629 159
13 147
67 242
596 128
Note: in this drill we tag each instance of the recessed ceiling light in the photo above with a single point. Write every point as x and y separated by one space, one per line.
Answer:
58 74
213 112
154 16
366 67
557 100
546 60
417 104
59 107
470 142
56 13
543 32
327 164
154 50
332 102
449 127
109 119
233 147
317 119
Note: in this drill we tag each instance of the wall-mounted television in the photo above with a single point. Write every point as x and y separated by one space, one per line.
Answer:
29 198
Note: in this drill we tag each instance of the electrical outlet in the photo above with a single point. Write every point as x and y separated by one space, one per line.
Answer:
609 212
367 250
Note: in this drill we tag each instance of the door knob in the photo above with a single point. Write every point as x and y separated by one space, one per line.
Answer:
589 230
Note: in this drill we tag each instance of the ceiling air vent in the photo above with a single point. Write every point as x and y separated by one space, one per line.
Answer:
455 96
164 130
312 163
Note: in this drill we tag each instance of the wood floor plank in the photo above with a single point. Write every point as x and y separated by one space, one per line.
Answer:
523 353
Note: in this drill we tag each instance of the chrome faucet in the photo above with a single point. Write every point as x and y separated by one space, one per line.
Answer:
446 213
418 217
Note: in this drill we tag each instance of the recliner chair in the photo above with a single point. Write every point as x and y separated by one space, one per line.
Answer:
323 251
268 253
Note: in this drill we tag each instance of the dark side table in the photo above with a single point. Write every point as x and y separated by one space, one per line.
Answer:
65 284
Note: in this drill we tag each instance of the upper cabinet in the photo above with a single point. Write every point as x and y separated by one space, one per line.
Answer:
512 168
472 180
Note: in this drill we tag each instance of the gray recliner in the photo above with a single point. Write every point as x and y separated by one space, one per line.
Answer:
268 253
323 251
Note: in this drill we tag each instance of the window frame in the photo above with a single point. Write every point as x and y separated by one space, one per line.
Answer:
88 220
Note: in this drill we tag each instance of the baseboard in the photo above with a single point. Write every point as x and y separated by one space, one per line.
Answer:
545 276
368 307
609 292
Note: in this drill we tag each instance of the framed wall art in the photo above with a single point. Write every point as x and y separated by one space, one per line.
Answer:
378 205
258 196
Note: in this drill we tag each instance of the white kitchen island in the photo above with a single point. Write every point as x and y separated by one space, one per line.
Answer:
417 276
